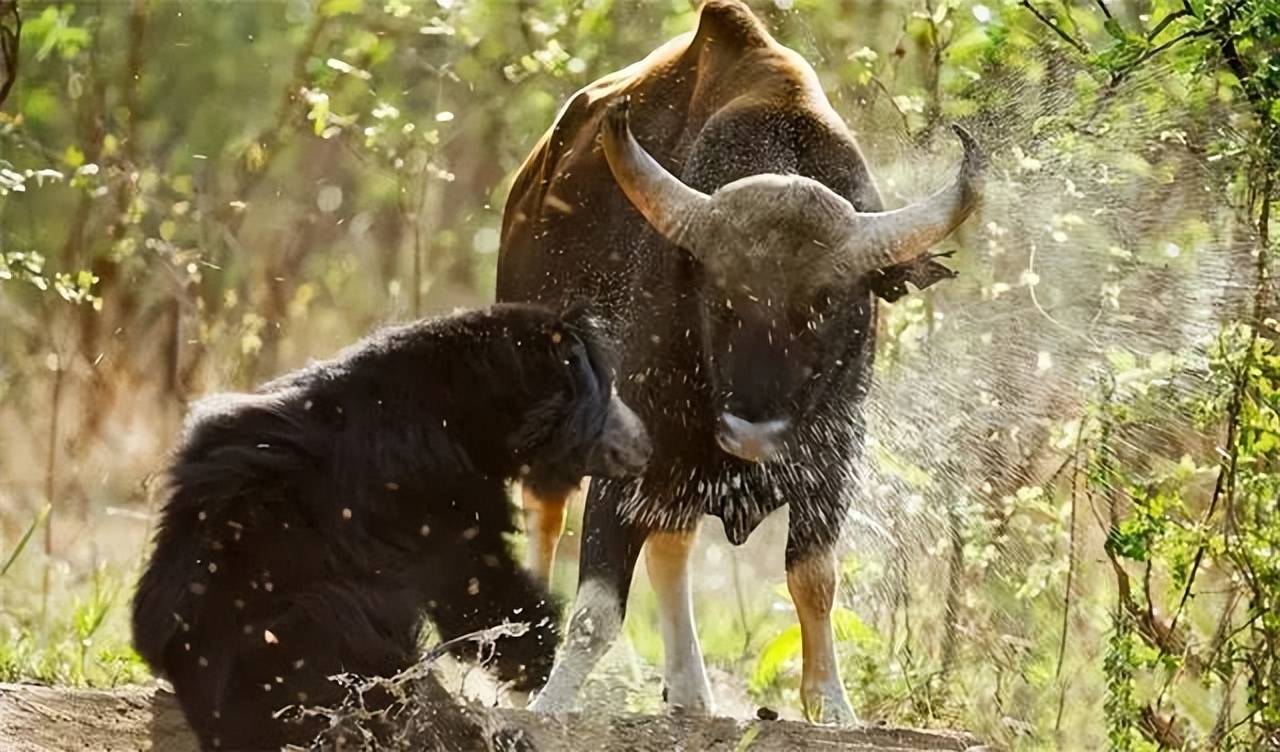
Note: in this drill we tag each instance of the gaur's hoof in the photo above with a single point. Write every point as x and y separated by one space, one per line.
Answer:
549 704
829 707
692 698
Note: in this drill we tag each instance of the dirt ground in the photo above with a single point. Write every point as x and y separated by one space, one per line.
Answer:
40 719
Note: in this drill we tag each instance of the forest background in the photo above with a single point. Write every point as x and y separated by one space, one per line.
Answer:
1067 535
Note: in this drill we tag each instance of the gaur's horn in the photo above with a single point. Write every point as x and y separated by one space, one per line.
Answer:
673 208
877 240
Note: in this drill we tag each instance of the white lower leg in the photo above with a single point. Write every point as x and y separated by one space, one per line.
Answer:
667 560
596 622
812 583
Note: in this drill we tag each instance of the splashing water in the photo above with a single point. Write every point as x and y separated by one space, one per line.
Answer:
1103 236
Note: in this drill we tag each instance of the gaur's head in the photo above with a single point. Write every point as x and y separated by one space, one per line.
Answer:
782 256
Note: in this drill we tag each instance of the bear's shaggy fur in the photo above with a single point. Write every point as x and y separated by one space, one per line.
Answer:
311 526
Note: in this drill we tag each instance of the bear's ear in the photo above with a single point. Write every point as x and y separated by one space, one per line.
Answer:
593 331
578 316
579 319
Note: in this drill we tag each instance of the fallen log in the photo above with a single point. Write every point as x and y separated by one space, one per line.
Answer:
36 718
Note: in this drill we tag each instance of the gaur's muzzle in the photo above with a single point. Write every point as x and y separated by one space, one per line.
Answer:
751 441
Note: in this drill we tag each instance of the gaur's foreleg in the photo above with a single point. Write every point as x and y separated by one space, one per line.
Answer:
667 558
812 578
610 547
544 506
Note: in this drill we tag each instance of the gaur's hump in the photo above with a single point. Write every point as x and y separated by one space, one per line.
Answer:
731 22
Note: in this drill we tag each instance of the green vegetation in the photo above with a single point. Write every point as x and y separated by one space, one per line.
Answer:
1069 534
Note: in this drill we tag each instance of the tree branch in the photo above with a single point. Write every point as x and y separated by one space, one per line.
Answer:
1164 22
10 33
1227 44
1160 635
906 123
1144 57
1057 29
1071 550
1163 730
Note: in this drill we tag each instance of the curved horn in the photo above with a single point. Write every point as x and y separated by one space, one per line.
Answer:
881 239
673 208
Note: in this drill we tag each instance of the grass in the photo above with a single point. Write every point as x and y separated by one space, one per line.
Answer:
82 638
79 637
24 540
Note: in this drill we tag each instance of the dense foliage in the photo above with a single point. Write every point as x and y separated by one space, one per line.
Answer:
1069 536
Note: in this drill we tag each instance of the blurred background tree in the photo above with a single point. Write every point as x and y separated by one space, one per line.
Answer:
1067 535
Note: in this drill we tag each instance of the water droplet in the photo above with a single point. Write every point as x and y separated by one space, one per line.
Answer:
329 199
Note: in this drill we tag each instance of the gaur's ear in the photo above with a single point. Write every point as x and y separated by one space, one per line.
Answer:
890 283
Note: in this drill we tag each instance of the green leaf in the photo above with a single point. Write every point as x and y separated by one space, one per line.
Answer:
1132 539
778 652
940 13
73 156
785 648
319 114
850 628
913 475
26 538
1121 360
340 7
748 738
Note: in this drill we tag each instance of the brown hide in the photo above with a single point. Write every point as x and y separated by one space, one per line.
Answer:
729 66
719 104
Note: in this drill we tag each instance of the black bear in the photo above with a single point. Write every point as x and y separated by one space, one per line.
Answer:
310 527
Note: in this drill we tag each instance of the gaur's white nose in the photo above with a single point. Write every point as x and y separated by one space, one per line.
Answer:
753 442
